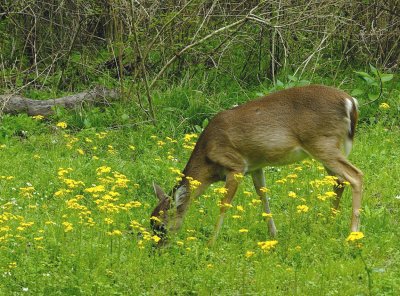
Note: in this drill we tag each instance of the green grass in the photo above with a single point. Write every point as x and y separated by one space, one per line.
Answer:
55 242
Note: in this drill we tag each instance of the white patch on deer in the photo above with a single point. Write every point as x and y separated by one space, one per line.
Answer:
180 195
349 104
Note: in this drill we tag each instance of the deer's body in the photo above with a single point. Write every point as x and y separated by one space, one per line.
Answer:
281 128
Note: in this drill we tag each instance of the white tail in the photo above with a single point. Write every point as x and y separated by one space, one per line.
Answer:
281 128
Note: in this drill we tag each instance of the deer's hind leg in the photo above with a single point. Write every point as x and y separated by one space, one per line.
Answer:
328 152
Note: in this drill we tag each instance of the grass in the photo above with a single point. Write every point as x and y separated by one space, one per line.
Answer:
75 206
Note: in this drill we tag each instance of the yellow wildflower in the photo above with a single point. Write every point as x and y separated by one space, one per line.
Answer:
156 238
249 254
302 209
384 106
62 125
238 176
240 208
355 236
67 226
102 170
156 219
221 190
267 245
114 233
267 215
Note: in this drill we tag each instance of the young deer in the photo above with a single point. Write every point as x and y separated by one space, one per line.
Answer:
281 128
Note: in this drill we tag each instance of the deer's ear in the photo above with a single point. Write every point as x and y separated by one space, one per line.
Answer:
159 192
181 196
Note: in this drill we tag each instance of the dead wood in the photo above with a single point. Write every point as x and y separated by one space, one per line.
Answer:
16 104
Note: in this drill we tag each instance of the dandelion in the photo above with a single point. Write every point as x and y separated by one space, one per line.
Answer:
384 106
62 125
67 226
38 117
156 219
221 190
12 265
281 181
243 230
330 194
267 215
80 151
191 238
264 189
108 221
224 205
156 238
292 194
355 236
267 245
249 254
302 209
238 176
193 184
240 208
114 233
160 143
95 189
101 135
102 170
335 211
236 216
255 202
210 265
189 137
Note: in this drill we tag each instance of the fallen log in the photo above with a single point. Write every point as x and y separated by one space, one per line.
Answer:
15 104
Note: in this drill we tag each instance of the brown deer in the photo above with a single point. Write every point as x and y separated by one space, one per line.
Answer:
281 128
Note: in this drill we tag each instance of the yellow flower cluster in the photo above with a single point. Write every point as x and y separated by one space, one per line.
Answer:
188 141
62 125
266 246
193 184
355 236
302 209
384 106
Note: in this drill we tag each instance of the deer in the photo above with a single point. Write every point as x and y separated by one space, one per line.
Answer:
282 128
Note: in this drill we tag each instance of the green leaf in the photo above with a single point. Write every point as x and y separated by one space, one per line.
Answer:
205 123
373 70
292 78
87 123
373 96
357 92
386 77
368 78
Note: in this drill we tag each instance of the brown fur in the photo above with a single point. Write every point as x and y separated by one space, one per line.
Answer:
278 129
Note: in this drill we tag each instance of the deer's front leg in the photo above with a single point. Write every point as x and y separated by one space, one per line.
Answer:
259 182
231 186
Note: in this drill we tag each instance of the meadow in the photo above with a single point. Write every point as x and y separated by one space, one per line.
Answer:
75 205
